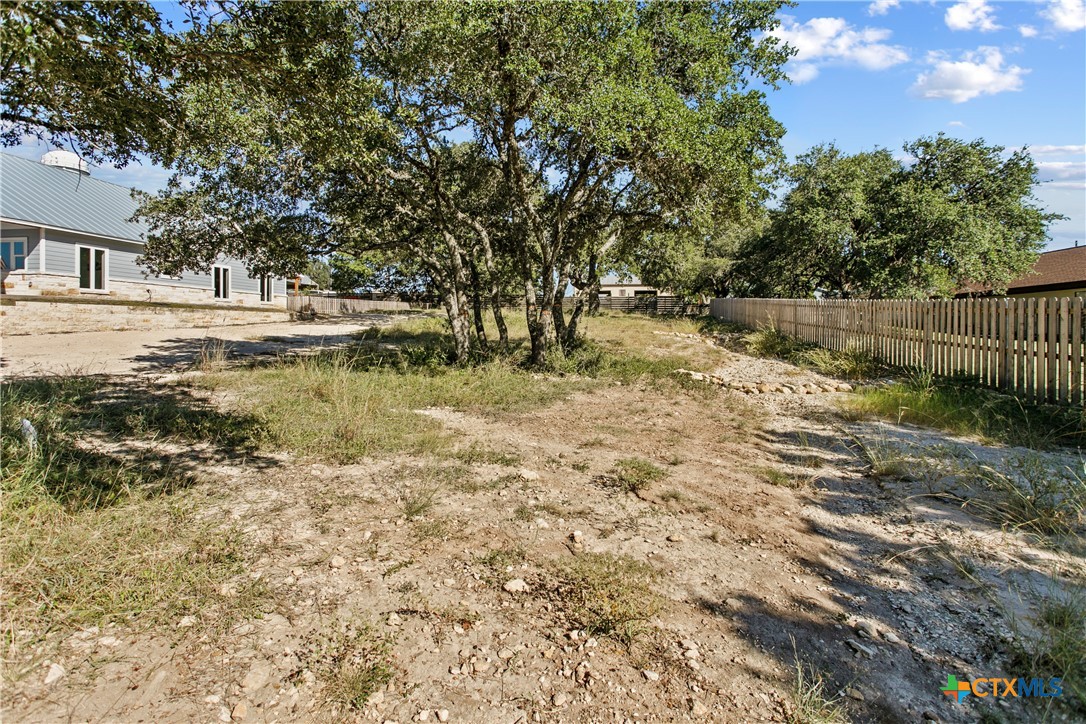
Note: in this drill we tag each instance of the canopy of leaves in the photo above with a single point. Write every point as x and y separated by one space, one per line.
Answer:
869 225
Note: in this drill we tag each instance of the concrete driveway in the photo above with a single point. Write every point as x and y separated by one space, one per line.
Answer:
163 351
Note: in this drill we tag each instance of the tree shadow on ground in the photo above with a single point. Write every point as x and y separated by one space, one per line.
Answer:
887 553
101 440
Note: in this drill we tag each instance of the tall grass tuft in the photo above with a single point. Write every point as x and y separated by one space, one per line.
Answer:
961 407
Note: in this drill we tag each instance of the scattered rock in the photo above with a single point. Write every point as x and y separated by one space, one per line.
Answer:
844 387
650 675
186 622
890 637
541 524
517 585
733 603
698 709
424 715
868 629
675 538
257 677
55 673
559 699
240 711
443 715
337 562
860 648
394 619
856 694
528 475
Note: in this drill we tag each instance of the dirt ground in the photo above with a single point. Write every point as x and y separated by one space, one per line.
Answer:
858 578
156 351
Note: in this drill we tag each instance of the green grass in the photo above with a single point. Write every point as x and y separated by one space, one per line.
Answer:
961 407
349 405
98 526
850 363
607 595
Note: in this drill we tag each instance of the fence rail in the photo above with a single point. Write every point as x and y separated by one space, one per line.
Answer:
341 305
1032 347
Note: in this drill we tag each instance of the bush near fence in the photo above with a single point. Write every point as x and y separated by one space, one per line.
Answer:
314 304
1032 347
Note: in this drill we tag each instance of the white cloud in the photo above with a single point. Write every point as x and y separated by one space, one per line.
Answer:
956 124
1062 171
1068 15
881 7
971 15
1027 31
1051 150
977 73
821 41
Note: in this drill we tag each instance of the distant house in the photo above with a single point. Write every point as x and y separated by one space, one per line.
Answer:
612 286
63 232
1060 273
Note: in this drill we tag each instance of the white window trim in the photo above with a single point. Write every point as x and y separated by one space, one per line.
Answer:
229 282
105 273
270 281
26 251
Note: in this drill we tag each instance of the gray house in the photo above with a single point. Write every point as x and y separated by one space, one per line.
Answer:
63 232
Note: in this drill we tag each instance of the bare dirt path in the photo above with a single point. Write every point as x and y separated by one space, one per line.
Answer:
158 351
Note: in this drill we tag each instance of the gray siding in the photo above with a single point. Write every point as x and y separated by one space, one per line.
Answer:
60 258
33 256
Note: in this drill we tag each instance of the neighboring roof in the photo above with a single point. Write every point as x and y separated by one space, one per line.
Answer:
1065 267
1053 270
51 196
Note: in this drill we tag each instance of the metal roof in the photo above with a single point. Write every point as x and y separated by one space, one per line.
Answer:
51 196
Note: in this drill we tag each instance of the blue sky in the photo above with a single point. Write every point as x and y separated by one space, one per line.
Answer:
881 73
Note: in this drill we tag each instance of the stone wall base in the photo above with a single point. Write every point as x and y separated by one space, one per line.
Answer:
19 317
52 285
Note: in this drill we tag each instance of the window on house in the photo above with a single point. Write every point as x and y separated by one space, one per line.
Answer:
13 254
267 289
92 269
221 275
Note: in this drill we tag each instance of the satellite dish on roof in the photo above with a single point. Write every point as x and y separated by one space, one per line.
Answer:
66 160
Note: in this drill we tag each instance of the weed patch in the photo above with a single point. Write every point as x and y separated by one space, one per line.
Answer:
353 665
632 475
607 595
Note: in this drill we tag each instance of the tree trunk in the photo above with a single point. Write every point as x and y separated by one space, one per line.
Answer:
458 324
477 304
495 291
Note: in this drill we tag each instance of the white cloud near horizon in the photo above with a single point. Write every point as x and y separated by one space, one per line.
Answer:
977 73
971 15
823 41
1066 15
957 124
881 7
1027 31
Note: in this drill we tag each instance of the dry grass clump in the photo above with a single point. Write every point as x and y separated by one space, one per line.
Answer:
607 595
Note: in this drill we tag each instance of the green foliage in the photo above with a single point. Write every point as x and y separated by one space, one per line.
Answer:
89 76
320 272
868 225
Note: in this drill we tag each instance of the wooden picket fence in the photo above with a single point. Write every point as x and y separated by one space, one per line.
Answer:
1032 347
